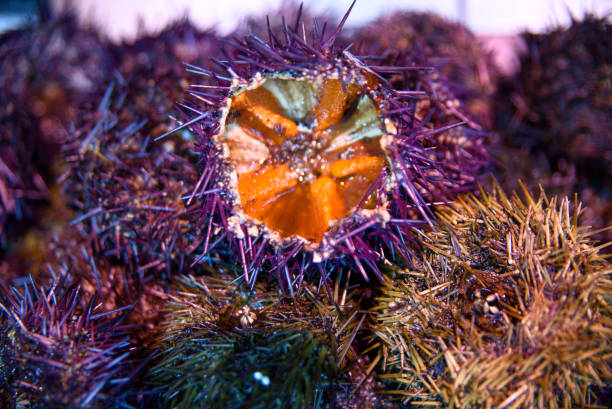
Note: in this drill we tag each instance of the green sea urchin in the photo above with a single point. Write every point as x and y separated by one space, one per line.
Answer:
223 345
509 306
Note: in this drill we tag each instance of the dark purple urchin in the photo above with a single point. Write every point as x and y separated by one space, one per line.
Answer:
47 76
127 190
58 349
68 254
450 46
267 125
119 195
153 68
555 116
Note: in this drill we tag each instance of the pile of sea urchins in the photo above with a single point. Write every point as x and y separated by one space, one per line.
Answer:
300 215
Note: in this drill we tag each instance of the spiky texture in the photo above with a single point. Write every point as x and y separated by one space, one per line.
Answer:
284 14
509 306
47 76
256 369
555 115
154 68
58 349
104 122
449 46
222 345
433 155
69 256
128 191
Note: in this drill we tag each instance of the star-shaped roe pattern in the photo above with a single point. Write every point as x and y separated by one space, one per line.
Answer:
306 152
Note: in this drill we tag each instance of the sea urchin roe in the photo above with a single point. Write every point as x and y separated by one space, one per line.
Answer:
261 115
306 153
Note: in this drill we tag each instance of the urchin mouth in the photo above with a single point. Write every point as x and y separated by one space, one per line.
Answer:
304 153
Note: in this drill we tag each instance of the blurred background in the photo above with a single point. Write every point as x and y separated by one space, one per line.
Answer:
495 22
125 19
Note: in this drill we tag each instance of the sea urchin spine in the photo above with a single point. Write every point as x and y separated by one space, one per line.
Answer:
508 307
309 154
57 350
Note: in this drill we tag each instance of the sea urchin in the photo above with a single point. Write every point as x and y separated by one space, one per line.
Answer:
304 154
310 154
508 307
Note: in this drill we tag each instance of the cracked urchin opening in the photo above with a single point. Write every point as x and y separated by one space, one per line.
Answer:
302 154
314 158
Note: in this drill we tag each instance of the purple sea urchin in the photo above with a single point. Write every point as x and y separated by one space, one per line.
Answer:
48 76
307 147
509 306
126 191
556 113
448 45
58 350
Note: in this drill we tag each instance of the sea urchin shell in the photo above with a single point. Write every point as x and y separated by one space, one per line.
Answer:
309 154
304 154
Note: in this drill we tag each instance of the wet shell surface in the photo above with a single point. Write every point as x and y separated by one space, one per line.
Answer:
303 154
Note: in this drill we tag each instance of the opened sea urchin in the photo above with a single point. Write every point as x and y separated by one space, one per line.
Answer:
309 154
306 152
